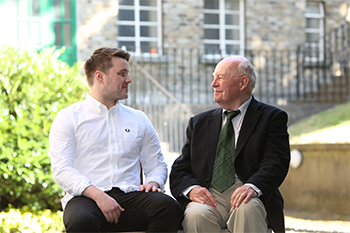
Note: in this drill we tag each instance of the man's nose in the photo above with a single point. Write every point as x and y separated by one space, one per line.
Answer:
214 83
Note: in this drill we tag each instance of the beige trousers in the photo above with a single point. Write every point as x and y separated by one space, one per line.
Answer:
249 217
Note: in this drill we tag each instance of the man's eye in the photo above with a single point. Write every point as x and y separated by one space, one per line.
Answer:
122 74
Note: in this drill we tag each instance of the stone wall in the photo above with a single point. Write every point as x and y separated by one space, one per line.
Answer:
96 25
182 23
274 24
268 24
322 182
281 24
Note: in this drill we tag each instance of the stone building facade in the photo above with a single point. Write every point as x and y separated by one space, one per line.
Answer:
263 26
96 25
267 24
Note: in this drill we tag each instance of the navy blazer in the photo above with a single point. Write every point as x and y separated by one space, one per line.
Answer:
262 155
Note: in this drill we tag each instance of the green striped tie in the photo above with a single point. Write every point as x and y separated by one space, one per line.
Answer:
224 171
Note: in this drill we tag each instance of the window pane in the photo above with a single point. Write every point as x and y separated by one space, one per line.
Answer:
57 28
10 26
232 34
129 45
144 20
148 46
212 49
232 49
57 7
126 2
211 19
8 8
148 2
23 9
148 16
312 37
312 23
35 32
126 30
35 8
211 34
148 31
313 7
23 30
232 5
126 15
231 19
211 4
67 34
67 9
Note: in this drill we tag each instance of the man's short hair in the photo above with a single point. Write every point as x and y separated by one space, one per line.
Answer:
101 60
248 69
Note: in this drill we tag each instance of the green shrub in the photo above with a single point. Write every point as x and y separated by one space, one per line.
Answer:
33 87
20 220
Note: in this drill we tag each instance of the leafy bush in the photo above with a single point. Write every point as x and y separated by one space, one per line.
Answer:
33 87
20 220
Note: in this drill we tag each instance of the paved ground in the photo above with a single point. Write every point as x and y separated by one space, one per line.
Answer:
302 221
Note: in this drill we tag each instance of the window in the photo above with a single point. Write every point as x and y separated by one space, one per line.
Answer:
40 24
224 27
139 26
64 28
314 15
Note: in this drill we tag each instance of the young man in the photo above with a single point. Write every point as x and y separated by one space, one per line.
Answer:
229 170
96 147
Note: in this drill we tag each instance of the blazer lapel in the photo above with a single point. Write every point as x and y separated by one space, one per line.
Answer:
214 126
250 120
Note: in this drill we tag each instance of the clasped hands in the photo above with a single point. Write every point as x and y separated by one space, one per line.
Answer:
241 194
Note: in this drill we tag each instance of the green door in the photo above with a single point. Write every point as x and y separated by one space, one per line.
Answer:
40 23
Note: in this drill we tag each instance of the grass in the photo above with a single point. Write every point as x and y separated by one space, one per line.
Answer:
336 117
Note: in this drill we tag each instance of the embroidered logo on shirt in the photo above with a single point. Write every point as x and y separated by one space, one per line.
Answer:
127 130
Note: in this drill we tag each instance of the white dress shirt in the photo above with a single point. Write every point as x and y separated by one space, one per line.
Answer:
91 145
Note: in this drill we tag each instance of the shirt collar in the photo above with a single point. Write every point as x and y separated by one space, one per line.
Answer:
243 108
99 107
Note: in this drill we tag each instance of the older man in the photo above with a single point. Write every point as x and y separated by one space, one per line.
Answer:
234 159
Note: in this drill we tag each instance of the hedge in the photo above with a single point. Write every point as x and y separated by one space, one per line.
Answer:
33 87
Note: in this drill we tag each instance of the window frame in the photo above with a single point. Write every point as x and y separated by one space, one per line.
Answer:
137 23
320 30
222 41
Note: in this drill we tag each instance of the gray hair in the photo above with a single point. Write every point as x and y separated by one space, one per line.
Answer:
248 69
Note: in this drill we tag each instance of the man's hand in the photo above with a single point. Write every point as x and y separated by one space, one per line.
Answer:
151 186
203 196
109 207
243 193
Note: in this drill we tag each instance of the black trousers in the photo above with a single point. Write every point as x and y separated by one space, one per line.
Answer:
151 212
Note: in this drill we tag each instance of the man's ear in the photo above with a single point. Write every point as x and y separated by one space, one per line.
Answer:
244 82
99 76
